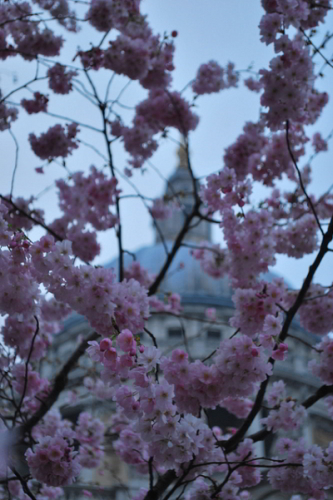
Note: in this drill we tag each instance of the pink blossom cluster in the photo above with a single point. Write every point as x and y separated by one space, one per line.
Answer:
241 356
160 110
18 332
161 209
61 460
171 303
271 329
291 206
44 492
88 198
249 476
172 440
60 11
25 38
167 109
87 201
143 58
150 417
20 297
50 492
53 424
240 407
105 15
316 312
136 52
161 65
84 242
169 439
254 305
210 313
89 291
132 305
139 142
319 143
211 77
128 56
322 367
60 80
35 105
267 158
274 159
298 238
7 115
19 289
92 58
17 220
140 274
253 85
291 479
16 491
317 465
128 446
53 461
213 259
28 381
90 433
57 141
288 85
281 14
285 414
224 191
250 142
239 365
203 490
250 247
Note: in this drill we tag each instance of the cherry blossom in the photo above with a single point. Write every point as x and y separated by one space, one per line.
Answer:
161 399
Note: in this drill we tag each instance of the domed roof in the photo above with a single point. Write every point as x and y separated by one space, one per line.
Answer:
185 275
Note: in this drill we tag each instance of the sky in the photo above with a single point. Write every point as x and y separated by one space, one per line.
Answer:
218 30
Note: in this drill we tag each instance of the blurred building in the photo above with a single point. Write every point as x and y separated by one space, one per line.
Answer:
199 337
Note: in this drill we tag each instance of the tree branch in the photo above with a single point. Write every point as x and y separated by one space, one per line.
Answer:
59 385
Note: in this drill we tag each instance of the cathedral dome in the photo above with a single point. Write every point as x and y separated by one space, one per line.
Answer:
185 276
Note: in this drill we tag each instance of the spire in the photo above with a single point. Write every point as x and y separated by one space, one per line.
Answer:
180 184
182 156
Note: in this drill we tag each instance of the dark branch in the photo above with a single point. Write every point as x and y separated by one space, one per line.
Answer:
59 385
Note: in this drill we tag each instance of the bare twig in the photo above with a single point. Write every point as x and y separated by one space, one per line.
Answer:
16 162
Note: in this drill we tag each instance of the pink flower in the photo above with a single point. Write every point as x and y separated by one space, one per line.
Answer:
36 105
125 341
60 81
281 352
210 313
55 142
105 344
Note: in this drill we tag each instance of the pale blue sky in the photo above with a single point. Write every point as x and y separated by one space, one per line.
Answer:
208 29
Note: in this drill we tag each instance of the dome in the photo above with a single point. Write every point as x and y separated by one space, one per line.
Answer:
185 275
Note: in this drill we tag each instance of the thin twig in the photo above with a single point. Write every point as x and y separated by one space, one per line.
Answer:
301 180
16 162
